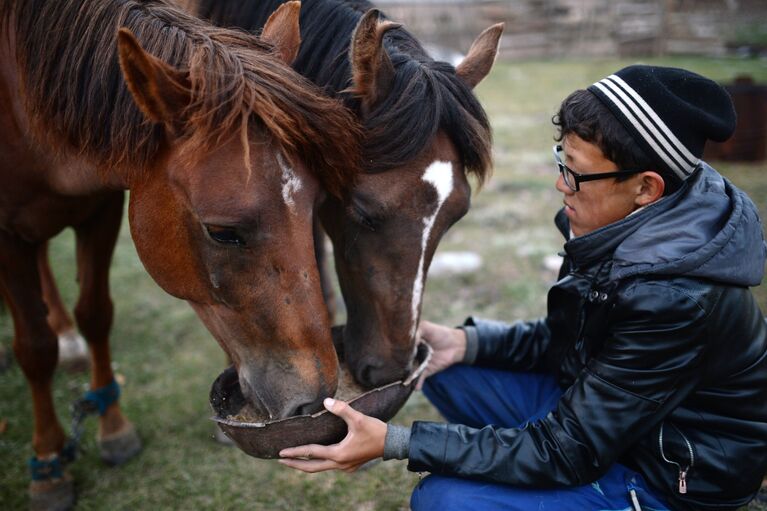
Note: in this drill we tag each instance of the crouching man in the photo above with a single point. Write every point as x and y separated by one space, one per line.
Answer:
645 386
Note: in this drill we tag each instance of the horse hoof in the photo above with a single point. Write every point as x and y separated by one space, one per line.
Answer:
73 352
52 494
117 448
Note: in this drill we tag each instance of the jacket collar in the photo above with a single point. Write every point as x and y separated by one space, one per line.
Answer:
601 243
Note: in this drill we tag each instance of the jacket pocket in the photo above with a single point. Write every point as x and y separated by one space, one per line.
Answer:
677 450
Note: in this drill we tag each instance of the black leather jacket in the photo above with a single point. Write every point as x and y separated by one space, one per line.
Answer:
661 348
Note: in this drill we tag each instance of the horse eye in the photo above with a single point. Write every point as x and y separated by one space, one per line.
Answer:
363 219
225 235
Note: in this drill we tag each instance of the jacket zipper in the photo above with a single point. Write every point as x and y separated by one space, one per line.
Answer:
682 471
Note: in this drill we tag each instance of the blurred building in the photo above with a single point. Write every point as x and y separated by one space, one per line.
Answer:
561 28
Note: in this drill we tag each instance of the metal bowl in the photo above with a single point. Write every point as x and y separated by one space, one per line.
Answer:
267 439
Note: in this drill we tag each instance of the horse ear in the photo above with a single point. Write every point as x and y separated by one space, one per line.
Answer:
481 57
160 91
372 69
283 32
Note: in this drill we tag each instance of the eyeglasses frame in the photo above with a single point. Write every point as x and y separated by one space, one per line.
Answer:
580 178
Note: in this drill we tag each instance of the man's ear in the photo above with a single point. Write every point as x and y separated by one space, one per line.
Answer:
651 188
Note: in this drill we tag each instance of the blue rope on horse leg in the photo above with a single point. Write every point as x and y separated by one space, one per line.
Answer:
68 453
42 470
103 397
93 401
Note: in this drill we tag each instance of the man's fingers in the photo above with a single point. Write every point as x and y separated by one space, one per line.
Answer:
310 451
310 466
341 409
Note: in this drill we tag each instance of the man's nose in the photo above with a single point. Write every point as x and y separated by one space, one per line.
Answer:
562 186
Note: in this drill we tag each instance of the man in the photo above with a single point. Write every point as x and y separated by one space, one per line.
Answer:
645 386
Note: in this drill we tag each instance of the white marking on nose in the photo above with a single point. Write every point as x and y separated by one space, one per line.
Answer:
291 184
440 175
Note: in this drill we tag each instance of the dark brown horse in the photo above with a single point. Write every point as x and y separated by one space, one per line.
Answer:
424 132
225 151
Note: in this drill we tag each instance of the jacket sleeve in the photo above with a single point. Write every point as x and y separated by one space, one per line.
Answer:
647 365
519 346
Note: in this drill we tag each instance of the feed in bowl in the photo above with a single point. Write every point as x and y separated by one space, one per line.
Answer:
265 439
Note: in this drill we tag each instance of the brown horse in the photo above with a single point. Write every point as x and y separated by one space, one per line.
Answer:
424 131
225 151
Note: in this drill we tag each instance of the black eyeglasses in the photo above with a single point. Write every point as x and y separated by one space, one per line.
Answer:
573 179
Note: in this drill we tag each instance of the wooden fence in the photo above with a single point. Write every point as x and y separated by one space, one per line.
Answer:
558 28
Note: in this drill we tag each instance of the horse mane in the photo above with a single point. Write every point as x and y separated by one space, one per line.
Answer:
77 98
426 95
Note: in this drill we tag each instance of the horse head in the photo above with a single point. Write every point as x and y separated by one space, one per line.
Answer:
224 220
386 233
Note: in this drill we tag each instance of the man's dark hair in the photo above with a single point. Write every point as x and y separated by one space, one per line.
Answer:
582 114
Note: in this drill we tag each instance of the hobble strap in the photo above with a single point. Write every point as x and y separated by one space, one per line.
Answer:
102 398
94 401
69 453
42 470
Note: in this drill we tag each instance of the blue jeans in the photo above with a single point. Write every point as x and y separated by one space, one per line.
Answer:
479 396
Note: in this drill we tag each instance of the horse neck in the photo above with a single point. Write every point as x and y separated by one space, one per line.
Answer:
64 171
12 112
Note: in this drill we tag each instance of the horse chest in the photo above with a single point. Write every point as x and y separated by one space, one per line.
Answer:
38 217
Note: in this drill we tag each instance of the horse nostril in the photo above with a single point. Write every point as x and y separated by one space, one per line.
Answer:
366 376
370 373
302 410
309 408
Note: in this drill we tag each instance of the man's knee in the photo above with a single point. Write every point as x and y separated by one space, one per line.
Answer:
450 380
440 493
436 492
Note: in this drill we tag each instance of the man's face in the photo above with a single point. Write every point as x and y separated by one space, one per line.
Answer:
597 203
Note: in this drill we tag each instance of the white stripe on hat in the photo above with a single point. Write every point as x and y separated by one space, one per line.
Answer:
657 135
673 165
660 133
670 143
686 154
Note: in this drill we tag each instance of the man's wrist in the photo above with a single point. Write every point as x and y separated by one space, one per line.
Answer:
471 346
397 442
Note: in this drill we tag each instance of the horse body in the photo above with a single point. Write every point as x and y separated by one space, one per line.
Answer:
41 194
221 203
424 131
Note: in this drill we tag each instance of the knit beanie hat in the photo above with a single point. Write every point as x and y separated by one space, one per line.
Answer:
670 112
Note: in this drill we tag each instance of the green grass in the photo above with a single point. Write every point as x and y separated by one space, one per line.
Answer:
169 360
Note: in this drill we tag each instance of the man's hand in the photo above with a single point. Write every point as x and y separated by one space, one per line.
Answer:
449 345
363 442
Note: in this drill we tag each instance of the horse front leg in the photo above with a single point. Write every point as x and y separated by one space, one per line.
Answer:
73 353
36 350
96 238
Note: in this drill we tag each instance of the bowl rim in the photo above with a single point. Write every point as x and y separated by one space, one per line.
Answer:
407 381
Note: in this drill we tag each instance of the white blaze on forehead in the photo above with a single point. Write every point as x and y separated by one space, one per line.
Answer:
440 175
291 184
